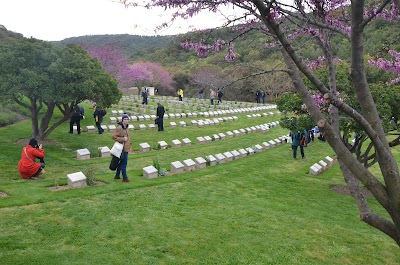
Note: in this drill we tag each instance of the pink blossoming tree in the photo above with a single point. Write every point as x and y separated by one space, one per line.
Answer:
318 21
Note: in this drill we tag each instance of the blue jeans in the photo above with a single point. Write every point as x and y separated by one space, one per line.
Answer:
122 165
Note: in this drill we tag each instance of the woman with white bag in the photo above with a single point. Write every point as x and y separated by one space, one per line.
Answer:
121 135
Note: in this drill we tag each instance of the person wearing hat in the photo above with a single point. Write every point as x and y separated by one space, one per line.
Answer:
121 135
27 166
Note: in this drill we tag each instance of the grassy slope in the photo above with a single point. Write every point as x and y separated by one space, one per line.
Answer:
263 209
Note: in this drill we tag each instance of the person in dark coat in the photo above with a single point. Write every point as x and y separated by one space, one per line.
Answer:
160 116
98 115
220 93
75 118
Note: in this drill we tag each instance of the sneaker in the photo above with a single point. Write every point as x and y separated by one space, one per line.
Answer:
34 178
125 180
70 132
42 171
117 177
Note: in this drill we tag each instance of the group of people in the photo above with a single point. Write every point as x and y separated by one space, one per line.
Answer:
219 94
260 96
78 114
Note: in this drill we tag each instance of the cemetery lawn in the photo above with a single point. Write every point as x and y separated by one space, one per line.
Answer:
262 209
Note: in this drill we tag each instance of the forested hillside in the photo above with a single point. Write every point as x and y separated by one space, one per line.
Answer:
240 78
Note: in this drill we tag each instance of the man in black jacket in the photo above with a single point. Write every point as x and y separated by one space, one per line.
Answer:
160 116
76 116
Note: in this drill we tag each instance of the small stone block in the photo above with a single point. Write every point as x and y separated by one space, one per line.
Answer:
229 134
328 160
212 160
91 128
314 171
76 180
172 124
215 137
266 145
222 136
104 127
150 172
229 156
182 124
177 167
176 143
207 138
250 151
200 140
235 154
142 127
318 167
220 158
186 141
151 126
323 164
113 119
200 163
144 147
190 165
163 144
258 148
105 151
112 128
131 127
83 154
243 153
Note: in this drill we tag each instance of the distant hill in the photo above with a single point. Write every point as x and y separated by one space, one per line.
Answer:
7 34
130 44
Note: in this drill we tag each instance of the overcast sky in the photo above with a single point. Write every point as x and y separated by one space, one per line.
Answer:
53 20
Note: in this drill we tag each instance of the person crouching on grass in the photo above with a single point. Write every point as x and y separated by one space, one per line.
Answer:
27 166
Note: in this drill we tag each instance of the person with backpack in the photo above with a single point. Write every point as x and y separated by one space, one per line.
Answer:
98 115
77 115
299 138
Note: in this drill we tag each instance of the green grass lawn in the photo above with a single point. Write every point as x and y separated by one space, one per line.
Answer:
262 209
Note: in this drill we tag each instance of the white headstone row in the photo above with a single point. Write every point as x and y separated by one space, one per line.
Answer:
321 166
187 165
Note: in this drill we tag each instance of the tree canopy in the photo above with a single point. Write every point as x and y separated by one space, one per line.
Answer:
42 77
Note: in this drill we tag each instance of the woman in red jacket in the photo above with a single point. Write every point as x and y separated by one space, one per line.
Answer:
27 166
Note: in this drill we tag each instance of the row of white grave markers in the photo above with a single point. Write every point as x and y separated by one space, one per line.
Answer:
199 123
83 154
187 165
193 114
321 166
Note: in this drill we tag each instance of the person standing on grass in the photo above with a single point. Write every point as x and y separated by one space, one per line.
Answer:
180 94
75 118
98 115
201 91
160 116
297 139
27 166
212 95
220 93
121 135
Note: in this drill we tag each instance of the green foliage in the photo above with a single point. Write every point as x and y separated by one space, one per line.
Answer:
156 164
90 178
35 74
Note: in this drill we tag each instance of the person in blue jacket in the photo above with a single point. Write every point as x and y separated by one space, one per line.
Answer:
299 138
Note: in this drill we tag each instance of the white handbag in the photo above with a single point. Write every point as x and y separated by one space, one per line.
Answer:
116 150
